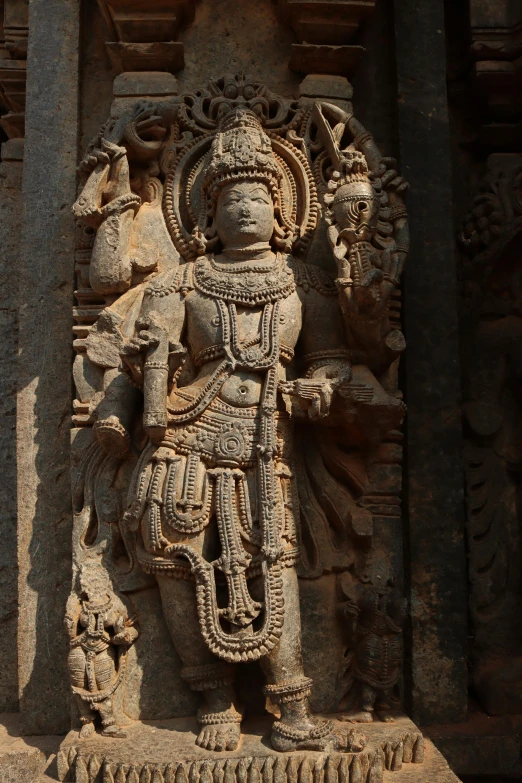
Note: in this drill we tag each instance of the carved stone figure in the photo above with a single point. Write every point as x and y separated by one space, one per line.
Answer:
234 339
100 633
375 619
492 325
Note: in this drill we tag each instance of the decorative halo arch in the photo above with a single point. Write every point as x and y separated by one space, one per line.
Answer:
185 209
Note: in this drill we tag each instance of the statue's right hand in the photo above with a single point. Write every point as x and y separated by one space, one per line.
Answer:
103 155
148 335
144 339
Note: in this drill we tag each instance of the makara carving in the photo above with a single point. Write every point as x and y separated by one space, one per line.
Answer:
240 395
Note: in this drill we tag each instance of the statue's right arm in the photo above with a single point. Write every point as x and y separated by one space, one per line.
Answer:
108 204
159 334
72 615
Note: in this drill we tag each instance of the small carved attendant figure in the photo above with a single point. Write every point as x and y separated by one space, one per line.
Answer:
100 634
375 620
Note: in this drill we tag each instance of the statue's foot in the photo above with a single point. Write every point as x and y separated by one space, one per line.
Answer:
361 716
385 716
219 730
315 734
87 730
222 737
114 731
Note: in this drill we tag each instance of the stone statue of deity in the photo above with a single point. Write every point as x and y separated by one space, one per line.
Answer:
233 339
100 633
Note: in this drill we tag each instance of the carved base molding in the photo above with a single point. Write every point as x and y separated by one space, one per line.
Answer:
165 752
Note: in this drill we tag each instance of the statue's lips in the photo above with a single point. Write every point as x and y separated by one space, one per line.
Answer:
246 223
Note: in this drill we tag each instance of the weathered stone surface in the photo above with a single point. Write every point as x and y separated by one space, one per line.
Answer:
490 240
23 760
125 56
10 216
319 85
45 280
434 468
137 83
480 755
227 38
481 745
340 60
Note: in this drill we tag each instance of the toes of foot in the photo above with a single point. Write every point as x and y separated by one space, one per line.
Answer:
232 739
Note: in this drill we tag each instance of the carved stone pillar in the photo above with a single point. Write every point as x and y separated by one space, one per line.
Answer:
491 328
44 398
327 34
144 33
13 52
10 218
434 474
13 55
496 32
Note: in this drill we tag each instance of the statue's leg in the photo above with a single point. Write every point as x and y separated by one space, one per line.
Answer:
106 710
214 679
77 669
289 688
365 714
383 706
86 718
287 685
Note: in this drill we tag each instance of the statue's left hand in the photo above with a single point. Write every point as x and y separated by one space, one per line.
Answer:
373 293
125 637
390 177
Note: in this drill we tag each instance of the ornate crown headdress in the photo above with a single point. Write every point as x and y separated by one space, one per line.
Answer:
242 147
240 150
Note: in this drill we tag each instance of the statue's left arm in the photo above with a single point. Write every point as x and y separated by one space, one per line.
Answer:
368 234
337 383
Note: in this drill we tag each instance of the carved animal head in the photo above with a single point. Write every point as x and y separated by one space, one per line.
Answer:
352 201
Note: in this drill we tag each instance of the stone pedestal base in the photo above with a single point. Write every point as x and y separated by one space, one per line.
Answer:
165 752
23 759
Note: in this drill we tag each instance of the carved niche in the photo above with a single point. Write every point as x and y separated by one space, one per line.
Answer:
259 436
491 329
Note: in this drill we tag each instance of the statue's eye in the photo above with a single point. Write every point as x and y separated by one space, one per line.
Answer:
230 91
248 92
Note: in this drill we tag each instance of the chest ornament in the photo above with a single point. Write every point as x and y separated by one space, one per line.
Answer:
248 284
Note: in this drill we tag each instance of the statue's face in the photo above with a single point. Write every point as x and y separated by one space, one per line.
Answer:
94 584
244 214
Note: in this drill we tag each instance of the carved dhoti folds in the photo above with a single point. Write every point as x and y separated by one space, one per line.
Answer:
199 506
